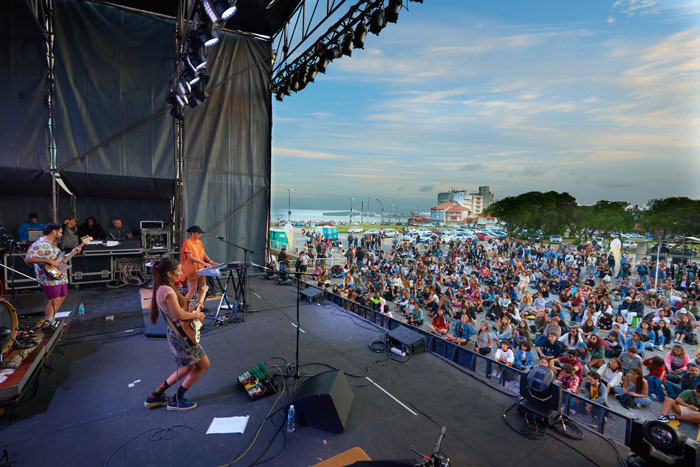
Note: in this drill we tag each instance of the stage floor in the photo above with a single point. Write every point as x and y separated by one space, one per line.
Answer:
91 404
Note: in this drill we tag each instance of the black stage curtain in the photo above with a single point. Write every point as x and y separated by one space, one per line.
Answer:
227 150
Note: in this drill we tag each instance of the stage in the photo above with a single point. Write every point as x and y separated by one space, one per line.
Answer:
90 407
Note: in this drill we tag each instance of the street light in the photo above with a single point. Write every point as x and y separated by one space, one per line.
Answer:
289 208
382 213
351 210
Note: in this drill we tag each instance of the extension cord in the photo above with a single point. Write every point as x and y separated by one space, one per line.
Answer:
398 351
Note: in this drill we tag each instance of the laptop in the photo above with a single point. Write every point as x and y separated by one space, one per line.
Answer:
34 235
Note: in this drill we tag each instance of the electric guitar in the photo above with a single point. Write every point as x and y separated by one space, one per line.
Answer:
59 272
190 328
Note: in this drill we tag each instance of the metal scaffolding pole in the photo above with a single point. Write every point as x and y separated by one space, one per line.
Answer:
48 22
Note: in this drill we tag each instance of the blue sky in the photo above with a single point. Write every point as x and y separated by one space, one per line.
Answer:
597 98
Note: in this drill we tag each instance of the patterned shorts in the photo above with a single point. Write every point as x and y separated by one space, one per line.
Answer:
184 353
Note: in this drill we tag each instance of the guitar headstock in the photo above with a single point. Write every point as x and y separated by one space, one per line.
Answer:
86 239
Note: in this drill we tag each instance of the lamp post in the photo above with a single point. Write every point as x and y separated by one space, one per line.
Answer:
382 212
289 206
351 210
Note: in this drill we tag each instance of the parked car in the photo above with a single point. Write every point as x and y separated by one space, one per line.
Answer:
534 238
371 231
390 232
355 230
555 239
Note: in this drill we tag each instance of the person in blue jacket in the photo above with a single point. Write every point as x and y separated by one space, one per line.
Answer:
462 331
524 358
32 223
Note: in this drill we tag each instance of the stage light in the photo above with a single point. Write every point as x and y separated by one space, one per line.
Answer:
280 95
393 10
541 394
183 87
206 34
190 76
287 87
219 9
377 22
204 75
301 76
333 53
654 443
348 44
360 35
322 64
195 58
199 91
311 75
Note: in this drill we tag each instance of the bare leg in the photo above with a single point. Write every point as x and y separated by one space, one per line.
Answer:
191 288
201 282
179 374
199 369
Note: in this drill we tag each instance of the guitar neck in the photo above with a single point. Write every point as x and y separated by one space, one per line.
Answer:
74 251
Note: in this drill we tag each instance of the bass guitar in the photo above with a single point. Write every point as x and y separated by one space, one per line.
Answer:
190 328
59 272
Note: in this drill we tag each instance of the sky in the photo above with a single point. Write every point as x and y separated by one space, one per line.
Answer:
600 99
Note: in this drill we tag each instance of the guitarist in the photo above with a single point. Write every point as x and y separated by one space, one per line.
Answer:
45 251
191 360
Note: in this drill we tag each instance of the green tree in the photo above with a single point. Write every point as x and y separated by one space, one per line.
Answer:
613 216
552 212
672 216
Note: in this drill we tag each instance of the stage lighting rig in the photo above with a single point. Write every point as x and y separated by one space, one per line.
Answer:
541 394
360 35
654 443
219 10
348 43
378 21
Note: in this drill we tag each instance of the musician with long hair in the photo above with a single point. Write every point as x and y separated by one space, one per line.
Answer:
191 360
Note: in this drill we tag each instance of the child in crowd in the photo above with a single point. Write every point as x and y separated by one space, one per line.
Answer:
504 355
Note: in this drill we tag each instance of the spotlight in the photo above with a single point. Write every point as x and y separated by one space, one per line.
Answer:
195 58
199 92
218 10
348 43
171 98
204 75
333 53
322 64
294 84
393 10
177 113
311 76
378 21
301 76
206 34
280 95
287 87
190 76
541 394
183 87
360 35
654 443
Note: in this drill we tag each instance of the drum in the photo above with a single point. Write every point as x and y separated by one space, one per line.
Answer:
8 325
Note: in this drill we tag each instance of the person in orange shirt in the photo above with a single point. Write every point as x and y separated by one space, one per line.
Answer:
193 259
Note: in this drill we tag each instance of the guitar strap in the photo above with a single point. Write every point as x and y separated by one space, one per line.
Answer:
170 324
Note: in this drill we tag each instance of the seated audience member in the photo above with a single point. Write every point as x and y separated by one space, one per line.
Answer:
504 355
484 339
32 223
523 357
596 350
636 388
656 377
630 359
118 231
685 407
676 362
548 347
92 228
462 330
440 324
689 379
611 373
595 391
568 378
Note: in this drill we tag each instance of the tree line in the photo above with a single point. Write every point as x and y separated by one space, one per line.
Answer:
554 213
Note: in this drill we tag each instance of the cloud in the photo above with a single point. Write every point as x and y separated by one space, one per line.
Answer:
322 114
304 154
610 20
426 188
472 167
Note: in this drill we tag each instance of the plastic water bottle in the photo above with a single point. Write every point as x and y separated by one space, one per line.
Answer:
291 415
81 309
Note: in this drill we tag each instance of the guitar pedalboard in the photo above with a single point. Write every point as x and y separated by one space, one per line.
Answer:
258 382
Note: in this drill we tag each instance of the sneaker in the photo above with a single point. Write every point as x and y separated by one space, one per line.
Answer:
157 401
661 347
672 416
182 404
654 397
663 418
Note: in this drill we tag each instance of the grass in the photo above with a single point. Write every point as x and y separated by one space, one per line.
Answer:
366 227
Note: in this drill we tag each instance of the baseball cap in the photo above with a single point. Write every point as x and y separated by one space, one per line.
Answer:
194 229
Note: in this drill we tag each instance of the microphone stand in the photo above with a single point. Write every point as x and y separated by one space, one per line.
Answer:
245 261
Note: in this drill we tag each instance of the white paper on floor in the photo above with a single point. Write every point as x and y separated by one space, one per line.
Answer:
62 314
228 425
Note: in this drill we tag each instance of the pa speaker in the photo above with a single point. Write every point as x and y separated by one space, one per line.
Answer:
324 401
160 329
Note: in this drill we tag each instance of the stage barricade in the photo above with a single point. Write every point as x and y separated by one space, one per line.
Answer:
614 425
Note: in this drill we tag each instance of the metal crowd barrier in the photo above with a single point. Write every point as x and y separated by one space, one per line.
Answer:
612 424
